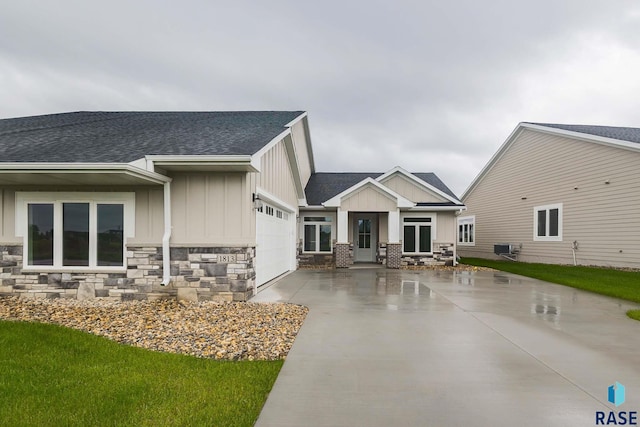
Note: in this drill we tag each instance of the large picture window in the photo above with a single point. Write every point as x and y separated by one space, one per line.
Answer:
547 223
75 234
467 231
317 234
417 237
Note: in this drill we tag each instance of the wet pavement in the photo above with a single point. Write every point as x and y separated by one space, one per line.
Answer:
439 348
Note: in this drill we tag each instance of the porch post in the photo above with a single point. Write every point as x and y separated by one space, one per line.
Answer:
343 226
394 226
343 255
394 247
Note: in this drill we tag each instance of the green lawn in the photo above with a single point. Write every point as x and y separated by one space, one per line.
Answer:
54 376
604 281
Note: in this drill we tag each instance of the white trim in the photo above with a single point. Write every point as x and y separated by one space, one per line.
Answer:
546 237
336 201
270 198
457 208
416 180
80 168
24 197
331 223
57 199
469 221
166 237
393 226
241 162
433 224
343 226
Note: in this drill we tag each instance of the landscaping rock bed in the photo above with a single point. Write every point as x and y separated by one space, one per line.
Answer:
225 331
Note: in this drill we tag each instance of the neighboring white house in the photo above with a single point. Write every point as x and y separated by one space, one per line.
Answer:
559 194
198 205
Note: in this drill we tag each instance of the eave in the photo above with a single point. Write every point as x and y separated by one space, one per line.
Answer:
50 174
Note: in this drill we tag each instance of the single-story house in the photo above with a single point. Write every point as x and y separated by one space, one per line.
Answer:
558 194
197 205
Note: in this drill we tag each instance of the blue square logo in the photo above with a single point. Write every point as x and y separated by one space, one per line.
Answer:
616 394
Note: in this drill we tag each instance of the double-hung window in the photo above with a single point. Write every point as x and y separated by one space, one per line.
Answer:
467 230
78 232
547 223
417 235
317 234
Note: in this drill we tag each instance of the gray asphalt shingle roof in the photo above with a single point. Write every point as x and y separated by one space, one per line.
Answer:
324 185
614 132
121 137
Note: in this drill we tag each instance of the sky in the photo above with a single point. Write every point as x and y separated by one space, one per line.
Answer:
430 86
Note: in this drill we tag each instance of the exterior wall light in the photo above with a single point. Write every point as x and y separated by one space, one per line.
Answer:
257 203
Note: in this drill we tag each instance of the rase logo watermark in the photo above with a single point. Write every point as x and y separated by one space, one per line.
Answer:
616 394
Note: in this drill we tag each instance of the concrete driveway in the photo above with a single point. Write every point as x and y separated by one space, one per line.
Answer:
403 348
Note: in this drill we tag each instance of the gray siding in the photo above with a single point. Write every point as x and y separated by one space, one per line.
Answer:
540 169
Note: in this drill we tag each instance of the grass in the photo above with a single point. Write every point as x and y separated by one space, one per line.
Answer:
614 283
55 376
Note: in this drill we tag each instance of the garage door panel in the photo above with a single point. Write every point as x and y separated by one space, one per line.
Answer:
273 243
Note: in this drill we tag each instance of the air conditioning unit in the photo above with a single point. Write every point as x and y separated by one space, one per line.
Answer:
507 250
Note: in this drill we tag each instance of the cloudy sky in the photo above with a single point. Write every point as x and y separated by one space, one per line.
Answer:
431 86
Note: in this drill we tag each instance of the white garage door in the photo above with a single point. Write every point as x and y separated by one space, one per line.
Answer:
274 243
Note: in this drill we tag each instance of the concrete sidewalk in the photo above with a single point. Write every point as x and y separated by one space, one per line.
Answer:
403 348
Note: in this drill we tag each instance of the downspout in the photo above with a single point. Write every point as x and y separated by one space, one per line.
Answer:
166 261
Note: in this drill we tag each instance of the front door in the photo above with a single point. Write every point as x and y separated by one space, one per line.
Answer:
365 237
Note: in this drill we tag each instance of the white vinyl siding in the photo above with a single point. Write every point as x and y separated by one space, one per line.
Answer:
597 185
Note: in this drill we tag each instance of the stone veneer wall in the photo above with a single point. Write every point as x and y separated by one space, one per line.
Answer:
315 260
344 255
442 255
394 255
198 274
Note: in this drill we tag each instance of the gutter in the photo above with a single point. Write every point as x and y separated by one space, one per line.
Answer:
166 252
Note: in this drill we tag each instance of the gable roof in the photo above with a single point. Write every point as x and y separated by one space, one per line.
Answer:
613 132
323 186
122 137
621 137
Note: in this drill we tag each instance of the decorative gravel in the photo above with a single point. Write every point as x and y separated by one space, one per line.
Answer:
225 331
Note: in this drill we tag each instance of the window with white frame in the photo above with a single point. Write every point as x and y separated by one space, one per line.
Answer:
317 233
77 232
467 230
547 223
417 235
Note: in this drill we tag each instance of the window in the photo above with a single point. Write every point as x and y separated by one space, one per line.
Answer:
547 223
417 238
74 234
466 231
317 234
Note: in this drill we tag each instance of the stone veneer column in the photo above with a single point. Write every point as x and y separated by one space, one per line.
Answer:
394 255
343 257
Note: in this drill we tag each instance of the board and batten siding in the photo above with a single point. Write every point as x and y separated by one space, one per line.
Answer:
276 176
212 209
411 191
446 227
7 217
541 169
149 217
368 199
